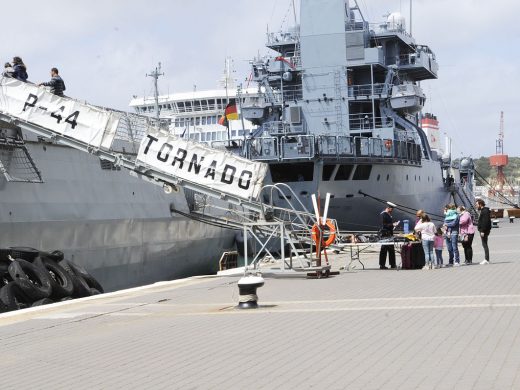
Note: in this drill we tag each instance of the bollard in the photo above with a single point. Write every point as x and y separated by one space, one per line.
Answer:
247 291
511 219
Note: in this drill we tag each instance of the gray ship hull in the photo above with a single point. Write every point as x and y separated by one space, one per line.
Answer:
357 204
117 226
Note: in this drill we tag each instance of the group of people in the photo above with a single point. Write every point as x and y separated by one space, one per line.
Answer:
458 226
18 70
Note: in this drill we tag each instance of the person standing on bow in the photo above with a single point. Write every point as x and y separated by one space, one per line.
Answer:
451 223
57 84
387 230
467 232
484 227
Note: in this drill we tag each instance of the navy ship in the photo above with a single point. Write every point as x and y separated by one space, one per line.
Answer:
337 109
123 230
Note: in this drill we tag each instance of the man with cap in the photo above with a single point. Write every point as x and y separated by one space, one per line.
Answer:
387 230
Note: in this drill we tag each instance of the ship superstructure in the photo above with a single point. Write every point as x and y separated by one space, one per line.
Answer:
337 109
337 112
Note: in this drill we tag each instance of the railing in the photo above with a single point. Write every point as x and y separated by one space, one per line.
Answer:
365 122
365 90
332 147
282 37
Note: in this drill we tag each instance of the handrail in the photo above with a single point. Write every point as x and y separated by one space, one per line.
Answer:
334 146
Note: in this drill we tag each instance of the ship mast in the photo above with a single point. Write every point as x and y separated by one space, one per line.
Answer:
155 75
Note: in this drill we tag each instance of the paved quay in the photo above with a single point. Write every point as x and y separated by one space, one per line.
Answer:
456 328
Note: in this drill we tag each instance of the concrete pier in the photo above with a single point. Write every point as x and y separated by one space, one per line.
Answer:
452 328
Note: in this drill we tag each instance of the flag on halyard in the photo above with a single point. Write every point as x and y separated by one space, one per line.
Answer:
223 121
231 111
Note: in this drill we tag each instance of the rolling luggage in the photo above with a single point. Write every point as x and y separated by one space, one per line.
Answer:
412 256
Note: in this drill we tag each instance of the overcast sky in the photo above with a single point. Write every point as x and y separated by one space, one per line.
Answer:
105 48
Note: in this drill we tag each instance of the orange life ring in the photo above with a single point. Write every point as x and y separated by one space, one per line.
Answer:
388 144
329 228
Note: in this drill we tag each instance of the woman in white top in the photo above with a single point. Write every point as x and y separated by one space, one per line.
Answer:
427 230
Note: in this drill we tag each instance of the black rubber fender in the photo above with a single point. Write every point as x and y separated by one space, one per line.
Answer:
61 281
41 302
57 255
13 297
24 252
81 287
93 291
91 281
34 282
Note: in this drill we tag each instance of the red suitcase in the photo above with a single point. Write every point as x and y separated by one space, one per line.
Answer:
412 256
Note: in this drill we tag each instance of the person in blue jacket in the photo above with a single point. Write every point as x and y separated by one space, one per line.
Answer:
451 226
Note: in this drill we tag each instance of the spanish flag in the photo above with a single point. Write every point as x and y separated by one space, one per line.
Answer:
231 111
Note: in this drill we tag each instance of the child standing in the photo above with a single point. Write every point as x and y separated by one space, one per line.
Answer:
438 245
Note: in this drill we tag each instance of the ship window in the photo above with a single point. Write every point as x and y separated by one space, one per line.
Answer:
197 121
213 136
180 105
219 135
211 103
362 172
203 120
188 106
344 172
378 177
327 171
233 133
387 177
406 177
282 173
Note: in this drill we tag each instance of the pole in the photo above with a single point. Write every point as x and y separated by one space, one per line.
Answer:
239 96
410 17
155 75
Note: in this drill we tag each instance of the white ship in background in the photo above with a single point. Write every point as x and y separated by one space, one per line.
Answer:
196 114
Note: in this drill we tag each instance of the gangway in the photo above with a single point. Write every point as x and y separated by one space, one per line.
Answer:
138 144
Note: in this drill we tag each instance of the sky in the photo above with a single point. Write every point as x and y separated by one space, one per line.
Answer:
104 49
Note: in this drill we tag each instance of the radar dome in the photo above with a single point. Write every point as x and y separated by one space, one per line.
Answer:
465 163
396 21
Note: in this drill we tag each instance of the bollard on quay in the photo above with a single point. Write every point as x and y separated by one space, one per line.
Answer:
247 291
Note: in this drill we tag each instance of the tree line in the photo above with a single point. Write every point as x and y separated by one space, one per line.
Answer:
511 170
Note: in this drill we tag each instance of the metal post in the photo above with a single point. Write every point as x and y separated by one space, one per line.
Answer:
373 108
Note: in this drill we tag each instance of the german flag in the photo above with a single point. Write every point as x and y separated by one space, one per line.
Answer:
223 121
231 111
